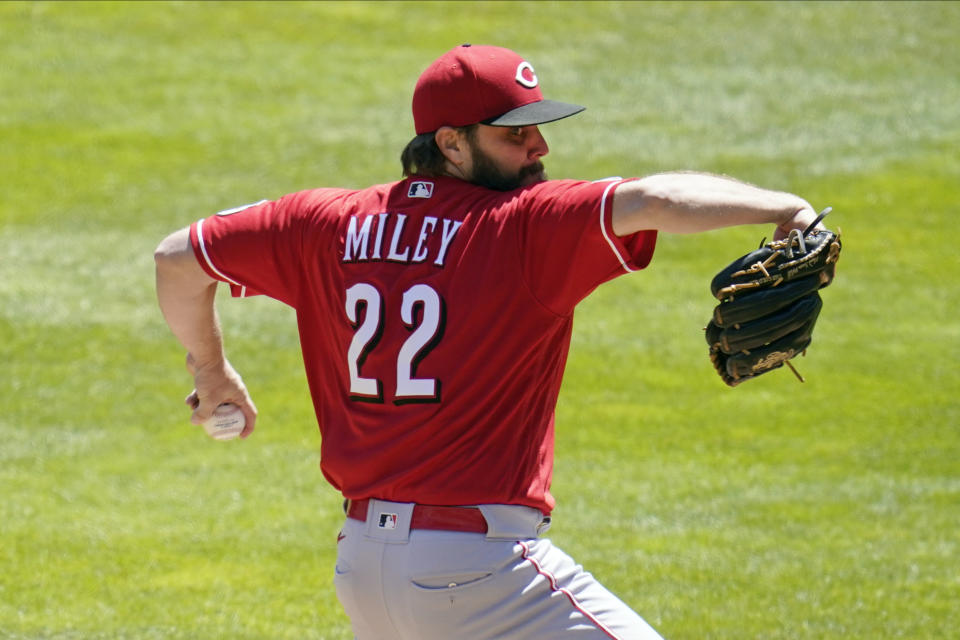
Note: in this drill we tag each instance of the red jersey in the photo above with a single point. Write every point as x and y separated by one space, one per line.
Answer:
435 318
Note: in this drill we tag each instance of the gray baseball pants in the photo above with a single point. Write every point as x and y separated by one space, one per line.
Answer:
508 584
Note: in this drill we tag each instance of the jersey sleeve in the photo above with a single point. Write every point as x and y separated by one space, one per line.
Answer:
259 249
567 243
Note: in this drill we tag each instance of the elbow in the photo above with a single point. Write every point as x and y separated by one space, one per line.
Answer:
164 258
640 205
177 263
657 194
160 254
173 248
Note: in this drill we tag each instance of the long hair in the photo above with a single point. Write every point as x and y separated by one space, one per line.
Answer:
423 157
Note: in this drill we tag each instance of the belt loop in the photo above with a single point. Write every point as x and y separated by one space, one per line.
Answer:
544 526
510 521
389 521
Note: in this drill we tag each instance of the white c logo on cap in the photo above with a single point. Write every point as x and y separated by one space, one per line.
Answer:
530 82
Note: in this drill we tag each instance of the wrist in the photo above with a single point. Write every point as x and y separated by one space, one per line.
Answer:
206 360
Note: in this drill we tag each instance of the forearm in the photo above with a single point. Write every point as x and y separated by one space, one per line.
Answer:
694 202
186 297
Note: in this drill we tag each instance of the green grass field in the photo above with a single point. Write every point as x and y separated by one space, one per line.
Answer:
775 510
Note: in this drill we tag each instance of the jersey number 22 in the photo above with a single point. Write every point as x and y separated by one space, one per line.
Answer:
423 313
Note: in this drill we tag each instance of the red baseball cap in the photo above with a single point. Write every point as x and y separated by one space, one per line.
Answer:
482 84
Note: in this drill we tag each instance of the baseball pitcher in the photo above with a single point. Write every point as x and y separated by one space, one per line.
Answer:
435 316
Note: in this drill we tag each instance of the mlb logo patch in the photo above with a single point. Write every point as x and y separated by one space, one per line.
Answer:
387 521
420 190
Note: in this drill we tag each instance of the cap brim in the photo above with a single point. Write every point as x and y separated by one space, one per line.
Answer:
535 113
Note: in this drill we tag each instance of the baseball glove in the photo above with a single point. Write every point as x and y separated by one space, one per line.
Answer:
769 303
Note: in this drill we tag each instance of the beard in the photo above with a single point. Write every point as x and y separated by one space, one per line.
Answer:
486 173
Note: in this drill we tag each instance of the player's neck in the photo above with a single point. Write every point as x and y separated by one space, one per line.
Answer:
455 171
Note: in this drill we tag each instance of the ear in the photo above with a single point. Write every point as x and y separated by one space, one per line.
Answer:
453 145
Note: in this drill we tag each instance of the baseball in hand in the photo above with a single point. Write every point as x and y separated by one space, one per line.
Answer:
226 423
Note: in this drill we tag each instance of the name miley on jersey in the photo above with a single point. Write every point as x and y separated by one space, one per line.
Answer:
365 240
